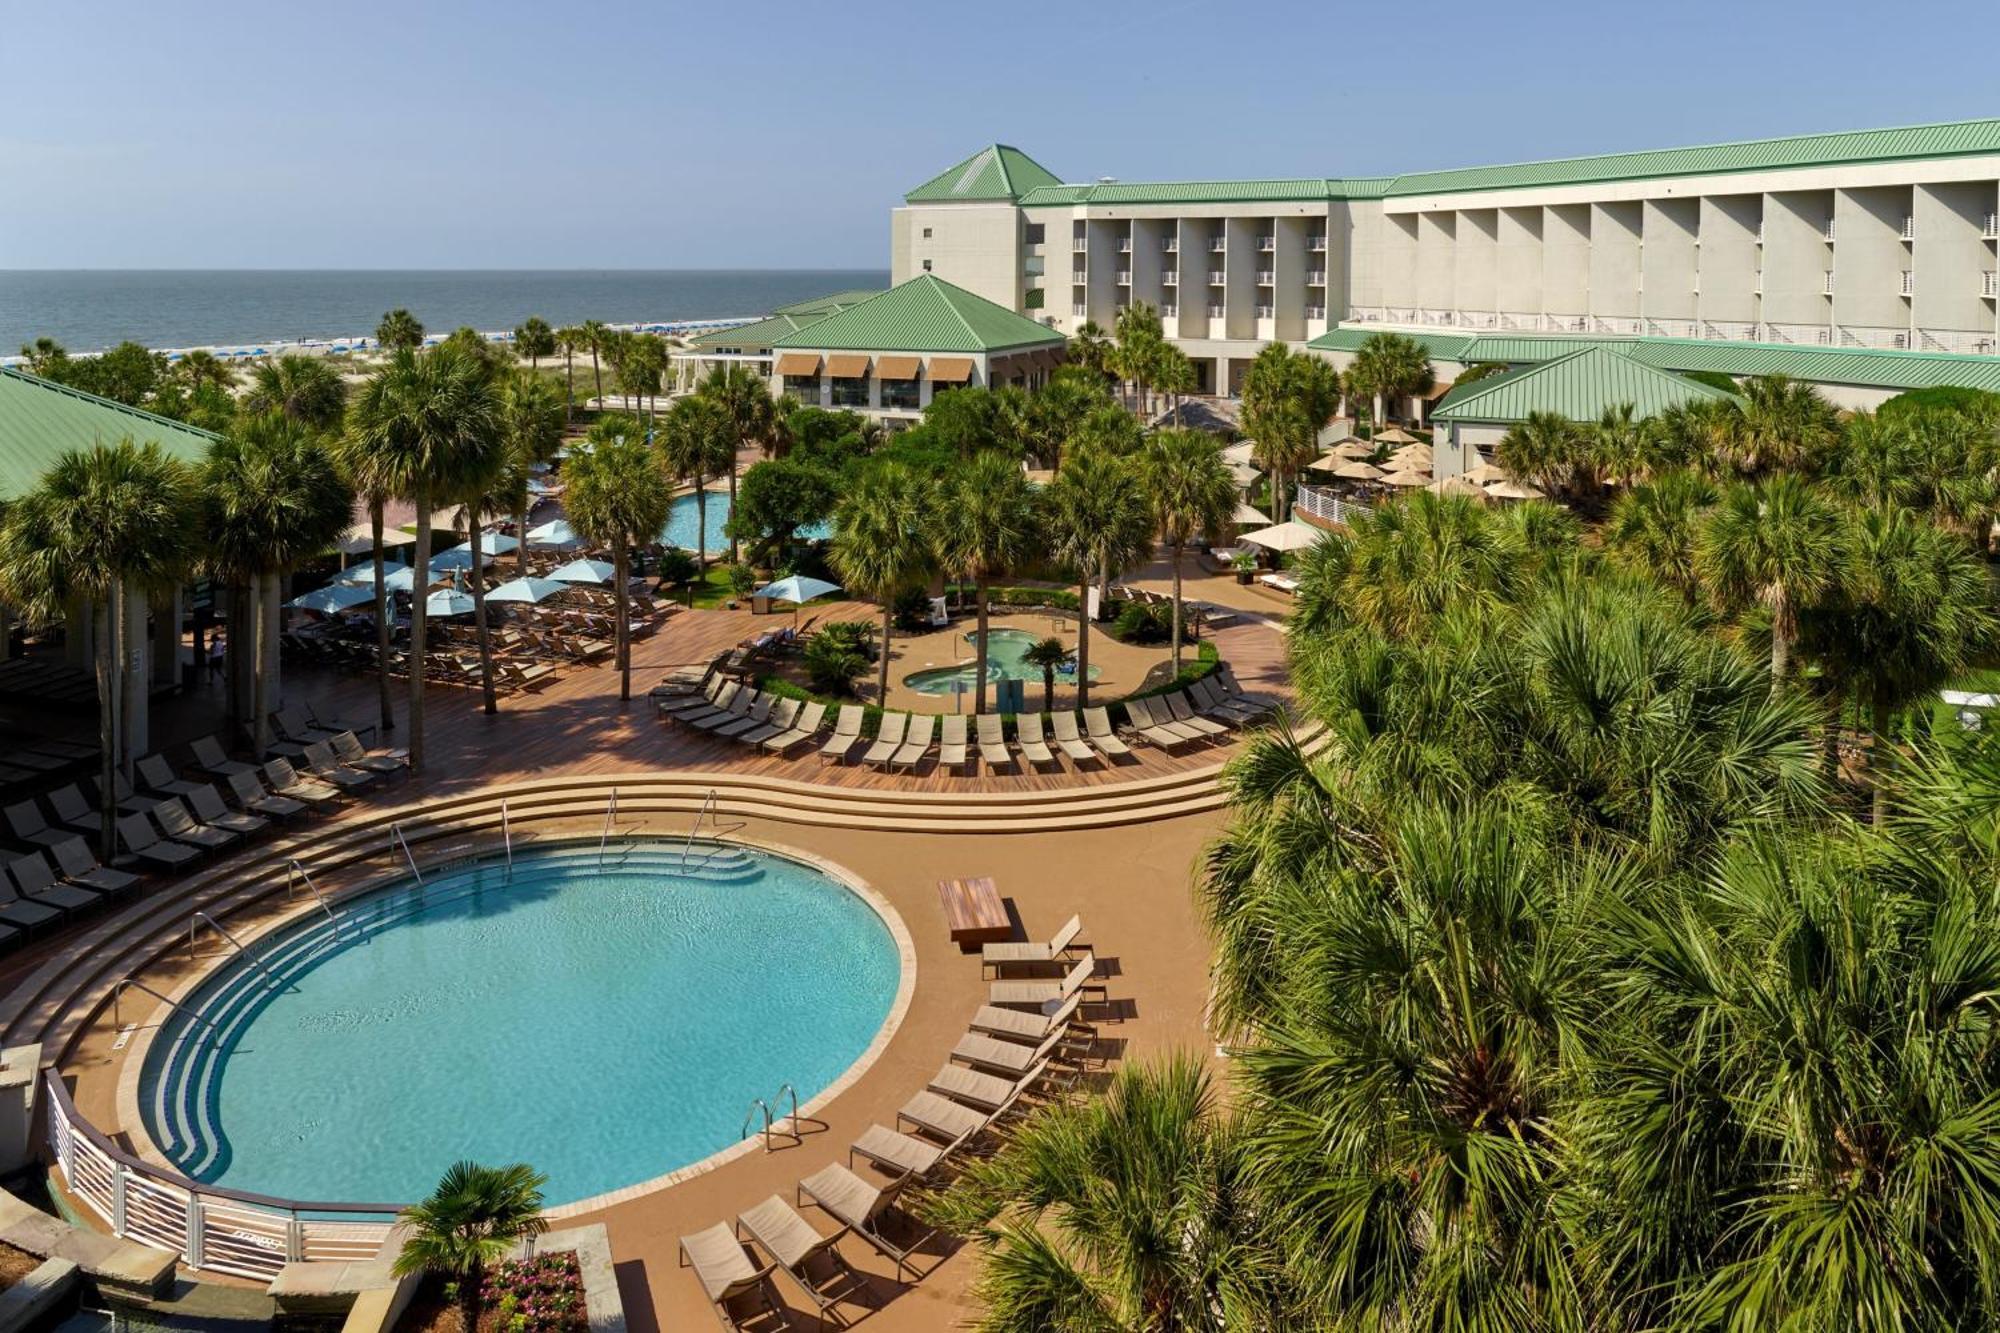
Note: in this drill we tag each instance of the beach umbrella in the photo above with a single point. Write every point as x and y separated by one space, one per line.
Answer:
1514 490
1483 472
364 575
796 589
1245 475
1406 479
333 597
405 580
460 557
448 602
1395 435
1358 471
1287 536
526 590
1410 457
1457 486
556 532
1243 451
584 571
536 486
1248 514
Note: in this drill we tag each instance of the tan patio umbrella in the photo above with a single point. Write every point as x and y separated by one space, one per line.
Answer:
1245 475
1514 490
1358 471
1482 472
1243 451
1395 435
1412 456
1248 514
1456 486
1353 448
1288 536
1407 479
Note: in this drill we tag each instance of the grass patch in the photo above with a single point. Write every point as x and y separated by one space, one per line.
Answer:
707 592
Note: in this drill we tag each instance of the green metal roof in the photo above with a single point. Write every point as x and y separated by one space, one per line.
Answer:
1312 189
1957 139
758 334
1440 346
925 314
1579 386
992 174
40 421
828 305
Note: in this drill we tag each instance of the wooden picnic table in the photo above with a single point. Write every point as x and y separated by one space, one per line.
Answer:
974 913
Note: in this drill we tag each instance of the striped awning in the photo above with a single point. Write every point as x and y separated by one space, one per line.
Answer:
951 370
847 366
898 367
797 363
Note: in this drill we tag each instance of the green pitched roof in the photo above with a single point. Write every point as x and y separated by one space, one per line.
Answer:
1349 337
1301 189
1957 139
925 314
1579 386
992 174
828 305
757 333
41 420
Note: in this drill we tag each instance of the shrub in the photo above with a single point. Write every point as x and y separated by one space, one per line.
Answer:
1714 379
742 579
539 1295
1143 623
677 566
912 609
836 657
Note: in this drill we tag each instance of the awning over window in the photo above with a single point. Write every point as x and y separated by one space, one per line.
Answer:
798 363
951 370
847 366
897 367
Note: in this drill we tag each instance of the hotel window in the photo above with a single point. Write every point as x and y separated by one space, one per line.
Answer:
1036 232
927 266
927 233
850 393
805 388
901 394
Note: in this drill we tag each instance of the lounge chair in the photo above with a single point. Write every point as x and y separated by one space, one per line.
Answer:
73 811
335 724
812 1261
25 820
286 781
846 735
1011 1059
992 741
36 882
20 913
250 794
1057 946
898 1153
347 747
139 839
739 706
1070 741
321 764
942 1118
126 800
80 867
1206 695
158 776
1182 713
210 759
1157 733
888 739
739 1290
861 1207
291 725
1048 991
709 697
1226 678
783 714
1020 1026
759 714
951 742
917 743
984 1092
175 821
810 719
1028 739
1097 721
718 706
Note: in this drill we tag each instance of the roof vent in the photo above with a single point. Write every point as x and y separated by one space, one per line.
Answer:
1107 180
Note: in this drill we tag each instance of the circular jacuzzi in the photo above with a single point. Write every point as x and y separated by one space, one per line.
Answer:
1006 654
607 1017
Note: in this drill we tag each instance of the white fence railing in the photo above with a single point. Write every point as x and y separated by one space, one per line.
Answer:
217 1230
1329 505
1707 330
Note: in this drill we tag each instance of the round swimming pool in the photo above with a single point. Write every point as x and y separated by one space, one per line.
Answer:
1005 649
607 1023
686 521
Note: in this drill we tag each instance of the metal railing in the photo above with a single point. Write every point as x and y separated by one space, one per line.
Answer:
1989 283
1326 504
707 811
507 838
610 814
1991 229
194 923
1169 311
759 1108
396 839
1216 277
211 1229
1170 279
294 872
133 983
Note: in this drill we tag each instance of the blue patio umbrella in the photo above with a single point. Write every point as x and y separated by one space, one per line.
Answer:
332 598
584 571
797 589
526 590
536 486
448 602
364 574
460 557
556 532
404 580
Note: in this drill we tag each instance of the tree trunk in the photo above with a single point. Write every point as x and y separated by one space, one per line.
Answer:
1781 648
979 664
415 706
1048 689
232 661
569 394
1177 548
103 617
1375 422
888 621
381 622
1083 640
732 503
623 637
260 719
488 694
521 532
701 523
597 376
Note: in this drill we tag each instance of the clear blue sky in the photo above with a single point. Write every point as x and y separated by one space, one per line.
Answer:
668 135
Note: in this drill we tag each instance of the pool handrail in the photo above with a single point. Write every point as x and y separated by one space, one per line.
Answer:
294 871
396 837
610 813
216 926
126 983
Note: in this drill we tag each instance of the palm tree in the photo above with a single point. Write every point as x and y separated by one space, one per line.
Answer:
1175 375
1287 398
598 338
695 444
1049 654
642 358
475 1217
1191 495
305 388
1545 449
1088 349
1100 525
45 357
883 541
991 526
103 524
1655 527
202 366
1785 424
399 331
743 400
1129 1212
534 339
618 496
1138 335
1387 366
427 424
531 425
272 497
1778 544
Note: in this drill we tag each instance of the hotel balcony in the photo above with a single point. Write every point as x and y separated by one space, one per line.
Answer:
1124 277
1079 277
1909 228
1079 310
1991 231
1316 244
1216 311
1989 285
1170 245
1266 278
1828 231
1267 312
1170 279
1863 335
1316 278
1124 245
1215 277
1169 311
1080 244
1218 244
1267 244
1828 288
1909 284
1315 312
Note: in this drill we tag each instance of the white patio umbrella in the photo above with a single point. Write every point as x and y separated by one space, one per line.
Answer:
526 590
1407 479
1287 536
1247 514
1358 471
448 602
1245 474
1395 435
333 597
556 532
1482 472
1514 490
1243 451
796 589
364 575
360 539
584 571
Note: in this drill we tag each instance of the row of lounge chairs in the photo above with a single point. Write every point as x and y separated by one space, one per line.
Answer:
1206 712
1013 1048
758 718
1200 615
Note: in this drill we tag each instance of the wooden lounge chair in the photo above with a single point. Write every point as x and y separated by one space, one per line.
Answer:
1097 721
846 735
25 820
739 1290
1048 991
992 741
80 867
1028 739
862 1208
321 764
136 833
917 742
783 714
888 739
1182 713
34 881
951 742
207 805
209 758
175 821
811 718
755 716
1057 946
1070 741
1011 1059
286 781
898 1153
157 775
250 795
812 1261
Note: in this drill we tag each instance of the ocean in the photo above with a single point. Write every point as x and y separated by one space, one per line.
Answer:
89 310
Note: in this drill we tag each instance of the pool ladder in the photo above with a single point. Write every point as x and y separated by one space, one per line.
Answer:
758 1106
718 830
294 872
194 924
128 983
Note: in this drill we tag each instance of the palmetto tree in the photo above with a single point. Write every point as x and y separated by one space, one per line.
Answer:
696 443
1388 366
744 401
885 541
306 389
1100 524
427 426
1545 449
1191 495
570 339
1287 397
618 496
475 1218
1655 527
991 526
103 524
642 358
1784 424
1776 544
534 339
1139 337
1088 349
598 338
531 426
399 331
1175 376
202 366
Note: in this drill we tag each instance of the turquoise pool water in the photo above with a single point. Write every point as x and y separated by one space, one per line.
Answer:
604 1025
684 522
1004 651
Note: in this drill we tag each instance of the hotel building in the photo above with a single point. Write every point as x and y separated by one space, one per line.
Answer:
1864 261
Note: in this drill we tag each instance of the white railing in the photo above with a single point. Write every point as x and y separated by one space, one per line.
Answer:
1170 279
1991 231
1079 245
1729 330
1909 228
1079 309
1267 312
1315 312
1169 311
1265 277
1266 244
1962 342
1828 231
1958 341
1329 505
1758 236
1124 277
1124 245
1218 243
1989 283
212 1229
1316 277
1217 312
1828 289
1170 245
1215 279
1079 277
1316 244
1811 335
1672 328
1866 335
1440 318
1477 319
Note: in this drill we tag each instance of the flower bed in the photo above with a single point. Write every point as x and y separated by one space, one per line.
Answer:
539 1295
